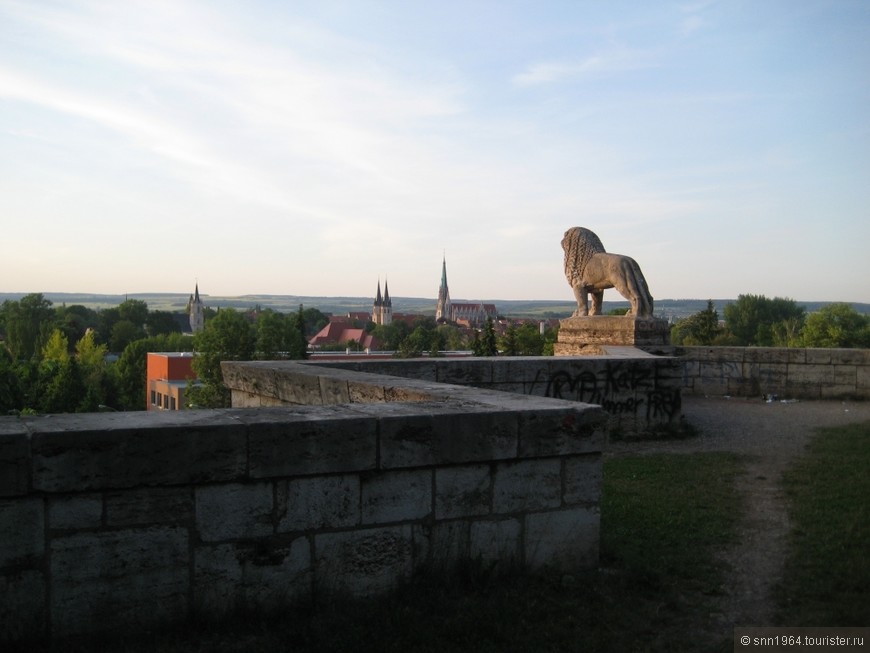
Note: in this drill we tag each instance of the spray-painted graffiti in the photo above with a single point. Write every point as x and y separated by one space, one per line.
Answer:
619 388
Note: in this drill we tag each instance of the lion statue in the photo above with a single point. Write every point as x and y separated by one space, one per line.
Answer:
589 269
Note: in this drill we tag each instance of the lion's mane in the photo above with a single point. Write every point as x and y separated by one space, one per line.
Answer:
579 244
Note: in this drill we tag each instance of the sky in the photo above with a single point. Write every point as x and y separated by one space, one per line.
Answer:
321 147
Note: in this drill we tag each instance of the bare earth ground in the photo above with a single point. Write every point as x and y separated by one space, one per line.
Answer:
773 434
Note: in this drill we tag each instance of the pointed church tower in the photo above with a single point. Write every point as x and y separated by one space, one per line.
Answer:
442 309
196 312
382 310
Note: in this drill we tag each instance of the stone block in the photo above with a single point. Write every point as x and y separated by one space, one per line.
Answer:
577 335
334 390
495 541
463 491
76 512
448 543
318 502
527 485
431 438
773 355
563 539
144 506
472 371
316 441
364 562
862 380
769 378
119 450
233 511
22 605
22 531
134 578
273 573
396 496
584 478
561 431
14 458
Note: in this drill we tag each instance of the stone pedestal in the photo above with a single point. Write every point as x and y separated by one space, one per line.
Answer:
587 336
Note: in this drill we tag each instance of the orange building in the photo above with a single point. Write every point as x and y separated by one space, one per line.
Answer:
167 378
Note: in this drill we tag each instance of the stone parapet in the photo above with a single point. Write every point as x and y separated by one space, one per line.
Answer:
784 372
134 520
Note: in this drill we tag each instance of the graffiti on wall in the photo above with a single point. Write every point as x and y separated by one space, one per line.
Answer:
620 388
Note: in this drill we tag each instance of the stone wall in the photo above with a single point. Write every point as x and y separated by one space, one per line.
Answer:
133 520
641 392
787 373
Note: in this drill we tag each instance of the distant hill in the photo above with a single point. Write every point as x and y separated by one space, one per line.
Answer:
540 309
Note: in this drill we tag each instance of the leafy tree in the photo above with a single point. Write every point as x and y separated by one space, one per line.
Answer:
28 324
91 358
702 328
314 321
485 342
123 333
530 342
752 319
161 323
508 341
228 336
11 390
61 388
135 311
75 321
56 350
836 325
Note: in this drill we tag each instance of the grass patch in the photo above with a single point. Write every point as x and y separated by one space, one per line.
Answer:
826 581
662 519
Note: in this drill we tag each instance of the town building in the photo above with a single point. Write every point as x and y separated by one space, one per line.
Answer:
473 315
167 378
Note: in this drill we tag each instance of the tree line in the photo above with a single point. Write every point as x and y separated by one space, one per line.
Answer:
57 359
758 321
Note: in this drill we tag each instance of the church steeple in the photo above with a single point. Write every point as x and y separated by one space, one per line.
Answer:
196 311
382 310
442 309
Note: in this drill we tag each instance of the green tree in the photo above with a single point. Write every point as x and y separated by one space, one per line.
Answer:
836 325
91 358
28 323
123 333
228 336
135 311
530 342
56 349
702 328
753 319
61 389
11 390
161 323
508 342
485 342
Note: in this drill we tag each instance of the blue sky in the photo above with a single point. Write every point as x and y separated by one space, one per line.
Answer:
313 148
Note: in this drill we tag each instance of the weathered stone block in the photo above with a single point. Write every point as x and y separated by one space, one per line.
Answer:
565 431
436 439
119 450
363 562
326 440
564 539
318 502
79 512
140 507
862 380
448 543
462 491
133 578
579 335
584 478
22 605
22 525
527 485
270 574
474 371
233 510
495 541
397 496
14 458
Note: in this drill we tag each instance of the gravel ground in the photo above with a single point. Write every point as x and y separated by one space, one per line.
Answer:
773 434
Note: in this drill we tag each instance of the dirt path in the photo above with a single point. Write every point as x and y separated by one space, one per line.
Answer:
773 434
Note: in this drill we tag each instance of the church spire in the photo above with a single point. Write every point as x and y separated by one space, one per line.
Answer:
442 309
